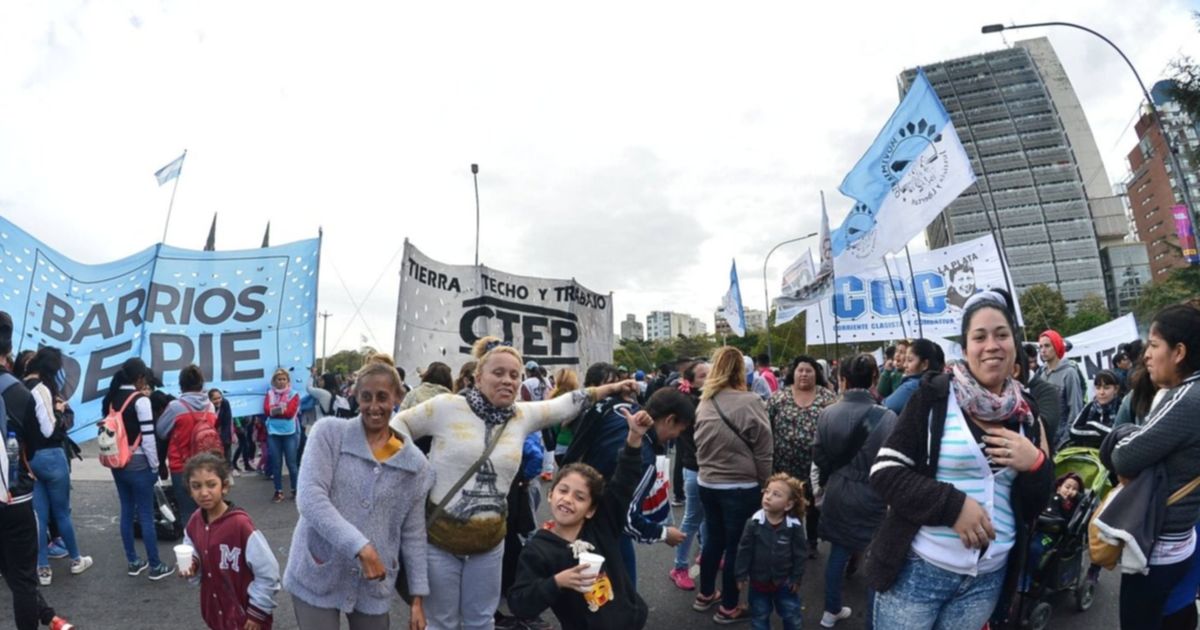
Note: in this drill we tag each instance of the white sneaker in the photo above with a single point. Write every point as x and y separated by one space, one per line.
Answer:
828 620
82 564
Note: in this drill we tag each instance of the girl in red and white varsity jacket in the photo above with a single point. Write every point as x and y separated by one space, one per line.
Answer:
238 573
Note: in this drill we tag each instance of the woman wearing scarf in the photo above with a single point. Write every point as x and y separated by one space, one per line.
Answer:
965 473
1096 420
283 430
466 535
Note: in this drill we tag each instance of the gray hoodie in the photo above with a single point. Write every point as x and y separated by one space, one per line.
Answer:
189 401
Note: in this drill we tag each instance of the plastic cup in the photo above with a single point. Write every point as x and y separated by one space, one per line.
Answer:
183 556
593 561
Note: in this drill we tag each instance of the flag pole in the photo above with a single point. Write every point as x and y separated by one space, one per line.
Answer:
913 281
895 300
175 187
832 304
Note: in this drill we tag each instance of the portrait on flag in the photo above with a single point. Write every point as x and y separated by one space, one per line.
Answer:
239 315
443 309
873 306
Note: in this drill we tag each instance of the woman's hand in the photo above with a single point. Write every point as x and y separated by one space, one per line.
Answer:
372 566
974 526
416 620
252 625
1009 448
574 578
639 423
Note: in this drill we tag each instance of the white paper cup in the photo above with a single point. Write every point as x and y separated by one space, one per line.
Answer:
183 556
594 562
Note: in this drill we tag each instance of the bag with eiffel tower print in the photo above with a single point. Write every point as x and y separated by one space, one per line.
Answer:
435 513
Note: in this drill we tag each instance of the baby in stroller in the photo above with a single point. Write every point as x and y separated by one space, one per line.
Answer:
1052 522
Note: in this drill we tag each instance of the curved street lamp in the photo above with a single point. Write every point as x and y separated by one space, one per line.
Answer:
766 299
1187 196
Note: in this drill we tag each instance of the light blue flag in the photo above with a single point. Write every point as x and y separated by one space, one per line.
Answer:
731 304
912 171
170 171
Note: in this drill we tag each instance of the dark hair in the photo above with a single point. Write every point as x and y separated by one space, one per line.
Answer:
1135 350
1180 324
191 379
667 401
21 364
860 371
889 352
689 372
599 373
400 371
329 383
1031 351
1023 373
132 370
978 302
216 390
1141 392
927 350
438 373
466 376
591 476
790 378
762 359
206 461
46 363
1106 377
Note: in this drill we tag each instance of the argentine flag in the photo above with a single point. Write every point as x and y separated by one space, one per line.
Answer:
915 168
170 171
731 304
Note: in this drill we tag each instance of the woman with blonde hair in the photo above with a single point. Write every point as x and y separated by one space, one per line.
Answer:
565 380
477 445
282 408
734 450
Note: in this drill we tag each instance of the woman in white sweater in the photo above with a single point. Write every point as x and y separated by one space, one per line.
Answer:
467 532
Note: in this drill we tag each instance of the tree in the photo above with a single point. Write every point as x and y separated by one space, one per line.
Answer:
693 347
787 341
347 361
664 354
1181 285
1043 308
1091 312
1186 90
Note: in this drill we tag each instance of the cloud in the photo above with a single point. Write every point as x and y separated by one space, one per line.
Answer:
636 147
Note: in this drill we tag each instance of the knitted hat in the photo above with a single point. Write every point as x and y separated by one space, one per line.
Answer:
1056 340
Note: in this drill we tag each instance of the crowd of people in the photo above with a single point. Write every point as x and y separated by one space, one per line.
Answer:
926 474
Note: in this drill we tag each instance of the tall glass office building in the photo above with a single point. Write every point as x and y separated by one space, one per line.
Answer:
1040 178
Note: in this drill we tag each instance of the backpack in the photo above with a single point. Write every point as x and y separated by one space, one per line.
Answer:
586 430
115 450
204 437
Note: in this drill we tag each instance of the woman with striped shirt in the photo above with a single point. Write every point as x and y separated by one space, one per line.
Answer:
964 473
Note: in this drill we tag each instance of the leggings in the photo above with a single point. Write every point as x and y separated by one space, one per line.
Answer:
309 617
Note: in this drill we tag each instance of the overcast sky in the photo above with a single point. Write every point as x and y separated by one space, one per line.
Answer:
634 146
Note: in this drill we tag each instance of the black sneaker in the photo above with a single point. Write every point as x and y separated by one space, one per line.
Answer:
136 568
160 571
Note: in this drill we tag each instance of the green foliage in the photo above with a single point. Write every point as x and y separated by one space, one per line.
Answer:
1181 285
1090 312
1042 308
347 361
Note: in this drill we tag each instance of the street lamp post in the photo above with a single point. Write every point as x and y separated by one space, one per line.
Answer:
766 299
1187 196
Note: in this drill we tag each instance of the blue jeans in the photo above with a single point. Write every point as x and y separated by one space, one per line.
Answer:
785 602
52 500
136 491
693 518
183 497
726 513
925 596
283 447
835 574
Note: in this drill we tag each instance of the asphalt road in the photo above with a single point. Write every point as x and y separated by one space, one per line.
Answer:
105 598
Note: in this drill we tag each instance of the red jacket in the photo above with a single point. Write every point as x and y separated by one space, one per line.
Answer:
239 575
184 417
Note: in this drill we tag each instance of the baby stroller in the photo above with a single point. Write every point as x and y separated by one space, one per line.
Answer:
166 520
1064 561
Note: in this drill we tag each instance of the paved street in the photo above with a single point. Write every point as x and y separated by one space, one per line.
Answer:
105 598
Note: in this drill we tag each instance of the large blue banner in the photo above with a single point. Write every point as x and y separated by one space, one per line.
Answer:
237 314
